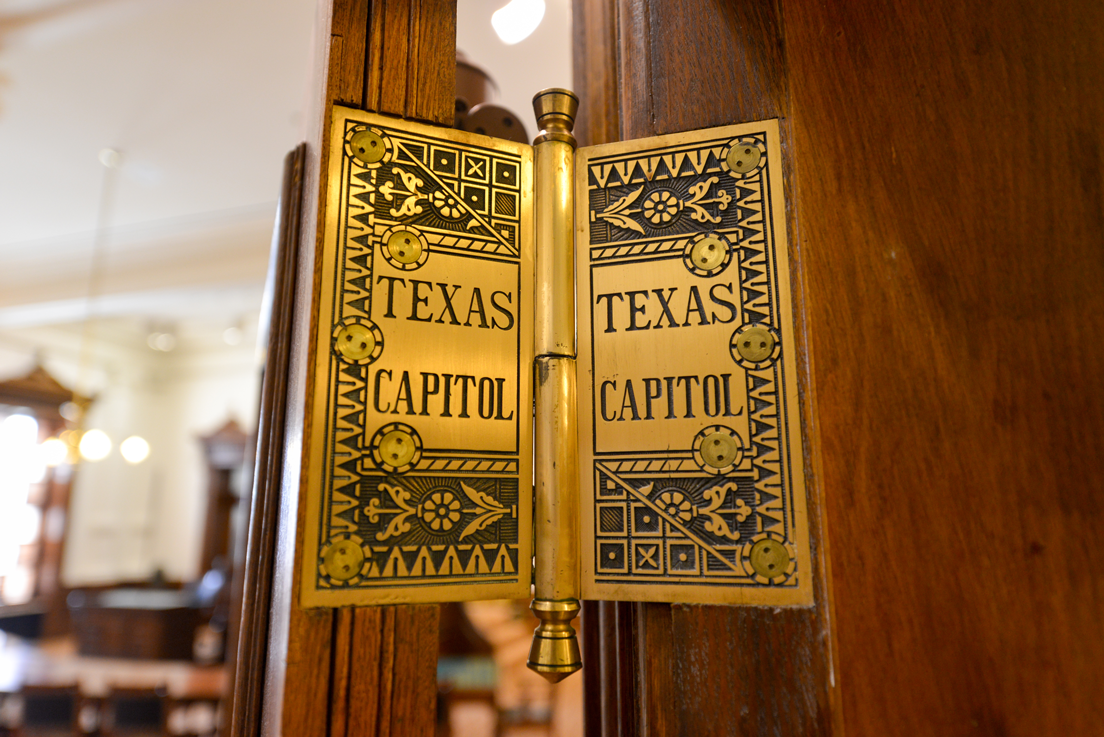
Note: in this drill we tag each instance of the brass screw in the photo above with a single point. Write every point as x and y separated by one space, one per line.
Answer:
769 558
367 146
356 342
719 450
708 253
404 247
343 560
397 448
743 157
755 344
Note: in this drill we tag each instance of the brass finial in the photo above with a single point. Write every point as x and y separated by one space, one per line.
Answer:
555 651
555 109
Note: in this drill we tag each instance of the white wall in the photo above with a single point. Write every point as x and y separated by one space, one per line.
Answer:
127 521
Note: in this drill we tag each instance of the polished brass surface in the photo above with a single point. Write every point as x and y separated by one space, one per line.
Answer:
555 650
397 447
555 109
419 443
557 507
743 156
404 246
720 449
555 219
755 344
343 560
769 558
709 253
355 341
367 146
689 426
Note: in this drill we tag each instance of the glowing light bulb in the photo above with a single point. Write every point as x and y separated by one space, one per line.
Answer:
54 452
134 449
95 445
517 19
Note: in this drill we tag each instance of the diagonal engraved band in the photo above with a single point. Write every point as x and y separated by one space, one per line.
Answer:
429 172
663 513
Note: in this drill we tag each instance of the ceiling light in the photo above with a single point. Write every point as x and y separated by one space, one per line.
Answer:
110 158
232 336
95 445
517 19
134 449
163 342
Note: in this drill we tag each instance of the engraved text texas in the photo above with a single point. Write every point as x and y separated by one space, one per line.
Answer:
420 481
692 483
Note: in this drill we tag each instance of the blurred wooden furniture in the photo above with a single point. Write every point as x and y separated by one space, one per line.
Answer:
138 623
135 712
224 452
43 395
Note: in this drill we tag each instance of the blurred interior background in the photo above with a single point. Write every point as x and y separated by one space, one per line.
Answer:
141 147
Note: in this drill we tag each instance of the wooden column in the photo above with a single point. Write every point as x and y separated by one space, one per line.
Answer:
363 671
645 69
943 183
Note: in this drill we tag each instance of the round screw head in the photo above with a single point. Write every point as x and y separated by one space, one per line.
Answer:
404 247
743 157
719 450
397 448
367 147
755 344
355 342
769 558
708 253
343 560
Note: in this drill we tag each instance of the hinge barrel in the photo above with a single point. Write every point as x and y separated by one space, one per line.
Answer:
555 652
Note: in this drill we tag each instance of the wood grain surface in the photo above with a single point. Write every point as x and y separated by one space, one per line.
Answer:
697 669
250 631
952 219
352 671
944 182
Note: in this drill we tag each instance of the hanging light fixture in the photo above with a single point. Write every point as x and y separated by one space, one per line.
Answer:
95 444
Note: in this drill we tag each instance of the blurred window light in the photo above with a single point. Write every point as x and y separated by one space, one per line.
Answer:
134 449
28 523
516 20
21 462
95 445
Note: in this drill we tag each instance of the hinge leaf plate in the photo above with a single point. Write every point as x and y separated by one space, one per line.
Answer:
692 472
419 440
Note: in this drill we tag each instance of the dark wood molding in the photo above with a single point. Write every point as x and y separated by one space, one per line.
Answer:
251 628
953 462
355 671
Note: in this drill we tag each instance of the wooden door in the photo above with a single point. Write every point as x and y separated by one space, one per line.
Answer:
349 671
946 219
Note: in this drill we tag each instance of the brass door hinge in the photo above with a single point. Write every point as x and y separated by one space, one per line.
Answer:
666 436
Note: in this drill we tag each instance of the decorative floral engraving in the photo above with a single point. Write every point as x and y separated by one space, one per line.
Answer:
661 207
487 509
441 511
446 203
676 505
398 524
411 195
617 213
716 524
698 191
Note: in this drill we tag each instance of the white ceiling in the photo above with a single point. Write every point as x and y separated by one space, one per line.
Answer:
202 98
